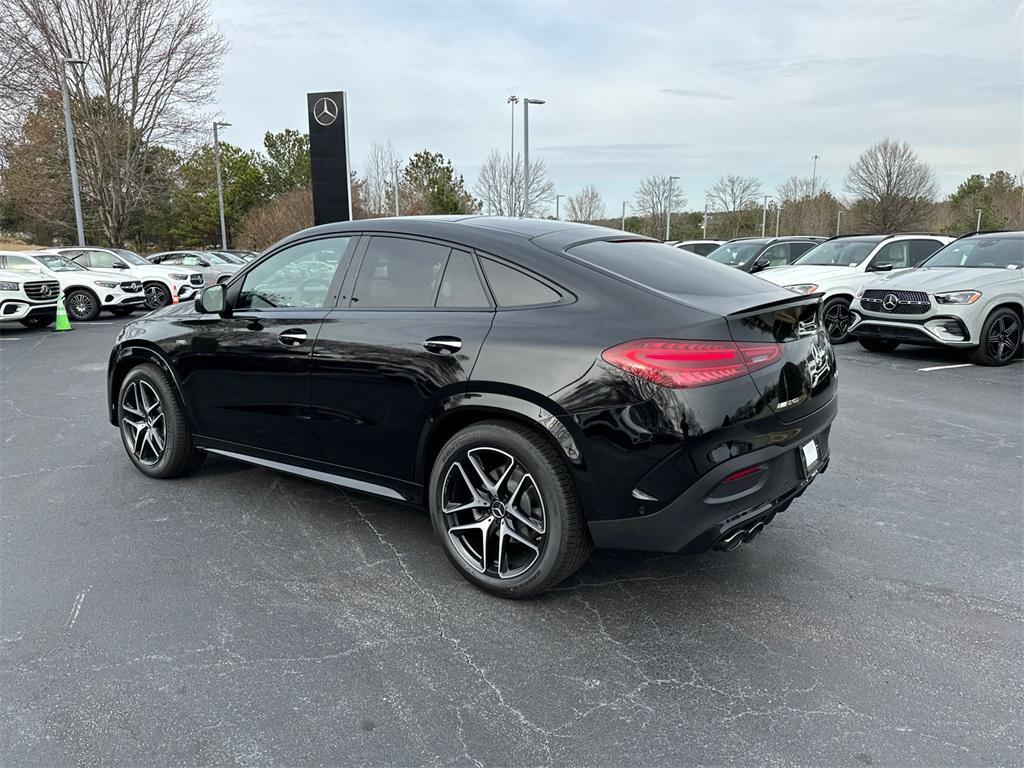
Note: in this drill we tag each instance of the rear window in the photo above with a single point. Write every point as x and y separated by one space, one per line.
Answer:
663 268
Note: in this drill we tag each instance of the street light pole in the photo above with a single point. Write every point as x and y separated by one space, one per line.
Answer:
72 158
977 227
526 152
668 211
558 199
220 186
839 220
394 181
623 215
814 175
705 235
778 215
764 215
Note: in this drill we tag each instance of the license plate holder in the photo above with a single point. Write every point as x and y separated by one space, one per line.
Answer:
810 458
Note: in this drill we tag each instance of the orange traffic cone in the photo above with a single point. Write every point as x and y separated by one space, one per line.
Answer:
174 295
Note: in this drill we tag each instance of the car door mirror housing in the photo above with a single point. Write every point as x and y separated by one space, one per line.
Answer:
120 265
762 262
204 263
882 266
212 301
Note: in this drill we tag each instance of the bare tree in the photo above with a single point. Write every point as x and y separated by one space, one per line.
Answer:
893 189
152 65
378 179
734 198
808 207
500 186
656 196
587 205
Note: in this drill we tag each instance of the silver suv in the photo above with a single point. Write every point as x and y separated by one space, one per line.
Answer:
969 294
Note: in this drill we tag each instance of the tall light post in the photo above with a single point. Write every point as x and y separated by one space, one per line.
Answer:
623 215
764 214
778 215
558 199
705 235
394 182
977 227
814 174
512 101
668 211
839 220
220 187
526 152
70 133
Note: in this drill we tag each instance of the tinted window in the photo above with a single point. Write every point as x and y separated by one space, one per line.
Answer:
460 286
897 254
797 250
513 288
704 248
298 276
922 249
399 273
660 268
736 254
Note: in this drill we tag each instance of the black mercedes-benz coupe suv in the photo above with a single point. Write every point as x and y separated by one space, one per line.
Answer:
541 387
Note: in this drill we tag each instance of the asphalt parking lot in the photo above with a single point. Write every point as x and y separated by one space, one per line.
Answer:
243 617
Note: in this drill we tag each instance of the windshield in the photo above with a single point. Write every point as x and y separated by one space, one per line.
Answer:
219 257
131 257
981 253
735 254
837 253
56 263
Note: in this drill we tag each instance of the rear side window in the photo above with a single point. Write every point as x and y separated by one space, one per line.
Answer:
460 286
512 288
796 250
397 272
922 249
659 268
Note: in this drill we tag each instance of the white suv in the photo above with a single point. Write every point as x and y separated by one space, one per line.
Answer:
29 298
160 284
839 267
86 291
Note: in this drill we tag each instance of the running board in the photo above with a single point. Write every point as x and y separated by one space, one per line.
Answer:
313 474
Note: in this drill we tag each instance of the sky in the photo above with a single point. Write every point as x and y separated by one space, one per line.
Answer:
696 89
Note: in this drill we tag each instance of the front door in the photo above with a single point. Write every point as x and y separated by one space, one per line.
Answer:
246 376
408 339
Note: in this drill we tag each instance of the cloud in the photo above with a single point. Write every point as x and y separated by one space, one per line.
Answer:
696 93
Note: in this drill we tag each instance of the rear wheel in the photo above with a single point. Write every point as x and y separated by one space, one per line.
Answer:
878 345
82 305
503 505
153 427
157 295
1000 339
836 314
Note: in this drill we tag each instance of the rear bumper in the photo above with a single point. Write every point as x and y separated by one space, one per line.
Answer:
706 512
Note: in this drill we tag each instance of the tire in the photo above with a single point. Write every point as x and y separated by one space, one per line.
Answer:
537 488
1000 339
147 397
82 305
121 311
878 345
836 315
157 295
36 322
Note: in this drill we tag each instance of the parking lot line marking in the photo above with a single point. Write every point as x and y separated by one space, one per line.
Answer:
944 367
10 338
77 607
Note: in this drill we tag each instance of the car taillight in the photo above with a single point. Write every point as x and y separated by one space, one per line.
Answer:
682 364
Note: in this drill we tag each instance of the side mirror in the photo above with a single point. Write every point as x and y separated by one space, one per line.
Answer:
762 262
882 266
212 301
203 263
120 265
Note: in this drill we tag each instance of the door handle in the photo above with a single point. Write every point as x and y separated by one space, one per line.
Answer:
443 345
293 337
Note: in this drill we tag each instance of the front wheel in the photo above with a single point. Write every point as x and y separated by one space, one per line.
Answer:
153 427
82 305
1000 339
878 345
503 505
836 314
157 295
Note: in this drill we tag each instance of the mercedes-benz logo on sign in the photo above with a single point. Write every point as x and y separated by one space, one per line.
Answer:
890 301
325 111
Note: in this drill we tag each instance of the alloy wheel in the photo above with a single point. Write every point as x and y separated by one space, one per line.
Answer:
143 423
156 296
1003 338
493 512
837 321
80 305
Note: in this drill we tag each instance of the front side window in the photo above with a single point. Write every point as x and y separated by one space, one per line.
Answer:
777 255
297 277
397 272
736 254
512 288
102 259
897 254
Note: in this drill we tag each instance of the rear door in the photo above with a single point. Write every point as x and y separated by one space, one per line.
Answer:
405 336
806 379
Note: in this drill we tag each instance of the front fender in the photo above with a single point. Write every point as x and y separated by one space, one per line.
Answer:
126 356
